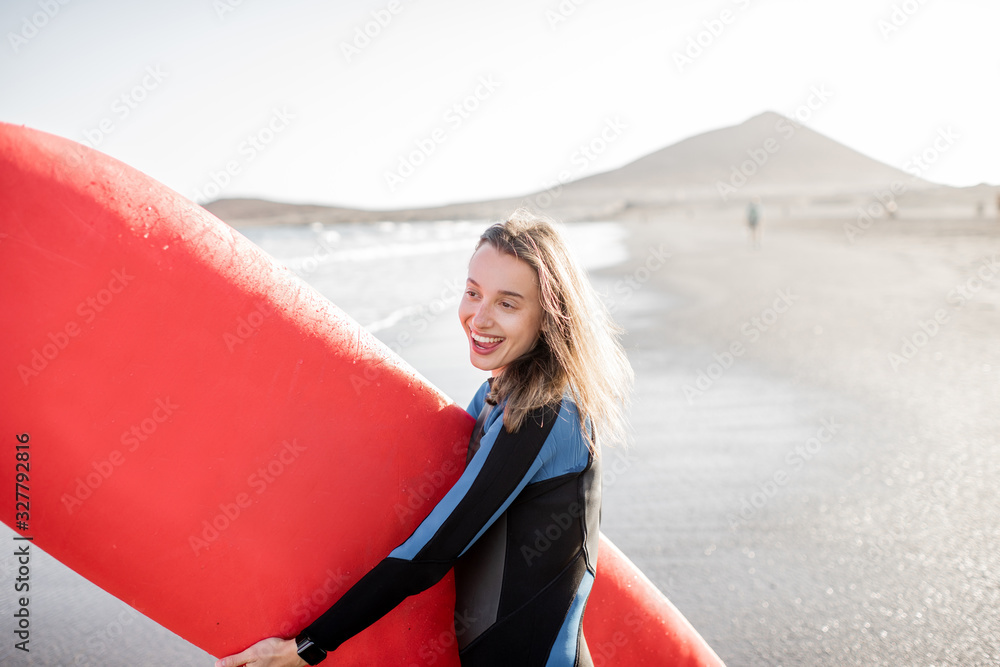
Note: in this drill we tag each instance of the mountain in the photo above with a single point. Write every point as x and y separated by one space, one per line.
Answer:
768 155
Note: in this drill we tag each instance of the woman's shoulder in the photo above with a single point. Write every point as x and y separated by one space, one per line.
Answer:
478 399
567 447
561 420
568 421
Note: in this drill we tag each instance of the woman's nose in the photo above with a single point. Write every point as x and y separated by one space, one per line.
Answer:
482 320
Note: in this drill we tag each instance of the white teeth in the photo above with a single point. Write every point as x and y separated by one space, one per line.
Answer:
485 339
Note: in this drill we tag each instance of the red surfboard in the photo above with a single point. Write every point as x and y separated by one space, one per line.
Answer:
213 442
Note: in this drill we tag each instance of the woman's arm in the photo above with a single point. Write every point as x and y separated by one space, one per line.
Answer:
504 464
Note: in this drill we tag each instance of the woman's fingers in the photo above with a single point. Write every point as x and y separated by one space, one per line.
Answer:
271 652
235 660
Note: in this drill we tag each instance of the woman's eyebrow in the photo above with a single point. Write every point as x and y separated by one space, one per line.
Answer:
503 291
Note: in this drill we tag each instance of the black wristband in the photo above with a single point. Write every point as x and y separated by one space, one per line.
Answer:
308 650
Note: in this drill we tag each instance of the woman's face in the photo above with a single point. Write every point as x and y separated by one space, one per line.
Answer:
501 310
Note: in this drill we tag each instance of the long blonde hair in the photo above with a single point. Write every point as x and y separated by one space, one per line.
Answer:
579 347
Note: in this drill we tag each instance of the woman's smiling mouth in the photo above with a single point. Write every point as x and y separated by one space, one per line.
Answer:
484 344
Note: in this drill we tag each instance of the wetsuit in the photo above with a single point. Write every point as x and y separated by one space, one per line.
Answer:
520 526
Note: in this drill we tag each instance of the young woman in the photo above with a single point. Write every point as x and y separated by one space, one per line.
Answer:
560 380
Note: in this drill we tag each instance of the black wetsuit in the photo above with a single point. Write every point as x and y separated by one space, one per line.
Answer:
520 526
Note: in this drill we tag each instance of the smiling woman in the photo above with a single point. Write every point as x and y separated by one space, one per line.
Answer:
502 311
536 308
559 377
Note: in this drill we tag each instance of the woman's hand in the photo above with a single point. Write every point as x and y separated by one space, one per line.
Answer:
271 652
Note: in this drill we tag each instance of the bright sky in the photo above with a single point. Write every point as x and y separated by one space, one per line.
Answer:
291 100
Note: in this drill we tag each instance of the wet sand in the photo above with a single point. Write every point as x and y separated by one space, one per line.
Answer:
810 503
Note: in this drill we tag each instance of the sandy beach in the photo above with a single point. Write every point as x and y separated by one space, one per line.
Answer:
816 500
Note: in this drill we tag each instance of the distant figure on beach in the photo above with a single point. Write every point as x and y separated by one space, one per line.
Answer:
753 220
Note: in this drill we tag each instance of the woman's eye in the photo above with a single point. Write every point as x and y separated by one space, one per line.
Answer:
470 293
507 304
